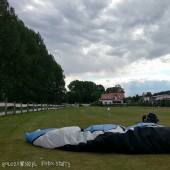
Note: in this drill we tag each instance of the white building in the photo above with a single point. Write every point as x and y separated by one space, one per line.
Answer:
161 97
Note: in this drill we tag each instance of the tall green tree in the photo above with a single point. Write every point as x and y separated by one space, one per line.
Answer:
84 92
116 89
28 72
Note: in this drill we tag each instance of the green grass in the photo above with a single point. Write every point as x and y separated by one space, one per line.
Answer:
14 148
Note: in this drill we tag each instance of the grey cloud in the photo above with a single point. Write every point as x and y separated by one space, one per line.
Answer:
93 8
138 12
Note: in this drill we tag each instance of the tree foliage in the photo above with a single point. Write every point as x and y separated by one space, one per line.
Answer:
28 72
84 92
116 89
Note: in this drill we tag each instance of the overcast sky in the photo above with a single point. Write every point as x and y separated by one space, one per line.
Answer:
109 42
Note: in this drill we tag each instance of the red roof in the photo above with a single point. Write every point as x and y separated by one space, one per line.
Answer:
111 96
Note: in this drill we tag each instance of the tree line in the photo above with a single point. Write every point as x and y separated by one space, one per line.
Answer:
28 73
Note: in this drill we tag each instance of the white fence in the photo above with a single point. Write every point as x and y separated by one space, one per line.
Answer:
18 108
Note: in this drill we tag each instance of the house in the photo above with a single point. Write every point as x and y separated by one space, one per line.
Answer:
161 97
157 97
112 98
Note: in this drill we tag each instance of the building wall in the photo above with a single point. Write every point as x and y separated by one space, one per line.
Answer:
162 97
106 101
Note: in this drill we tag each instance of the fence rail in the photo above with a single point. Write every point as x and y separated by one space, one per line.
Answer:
18 108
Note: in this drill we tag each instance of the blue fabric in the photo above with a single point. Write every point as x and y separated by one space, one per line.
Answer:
30 137
104 127
142 124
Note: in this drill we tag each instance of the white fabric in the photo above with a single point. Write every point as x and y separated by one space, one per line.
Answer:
69 135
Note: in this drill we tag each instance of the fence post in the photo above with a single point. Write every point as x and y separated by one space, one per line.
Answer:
14 108
27 107
6 108
21 107
33 107
37 107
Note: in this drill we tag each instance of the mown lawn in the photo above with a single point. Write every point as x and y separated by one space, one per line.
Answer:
14 148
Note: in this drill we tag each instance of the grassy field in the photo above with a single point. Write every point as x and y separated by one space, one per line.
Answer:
14 149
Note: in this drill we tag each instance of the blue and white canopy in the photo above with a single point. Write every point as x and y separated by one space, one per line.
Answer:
139 138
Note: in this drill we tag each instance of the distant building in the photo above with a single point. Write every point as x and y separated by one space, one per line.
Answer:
112 98
161 97
146 98
157 97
